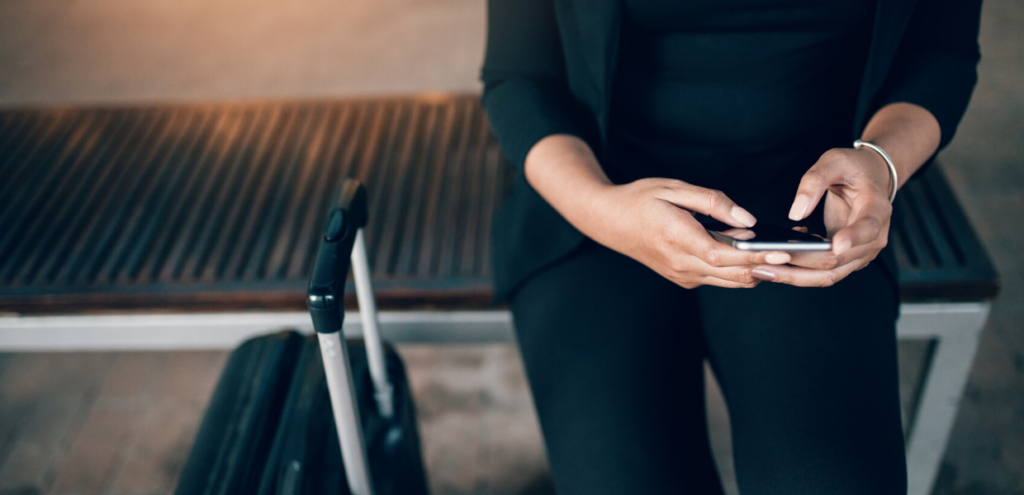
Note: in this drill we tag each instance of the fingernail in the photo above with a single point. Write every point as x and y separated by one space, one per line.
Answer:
778 258
799 209
742 234
742 216
842 246
762 274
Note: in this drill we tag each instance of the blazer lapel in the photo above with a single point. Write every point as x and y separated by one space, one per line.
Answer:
598 23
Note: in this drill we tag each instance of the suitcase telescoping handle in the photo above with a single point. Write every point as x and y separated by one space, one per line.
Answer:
343 244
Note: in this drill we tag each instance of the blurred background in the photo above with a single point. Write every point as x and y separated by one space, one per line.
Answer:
84 412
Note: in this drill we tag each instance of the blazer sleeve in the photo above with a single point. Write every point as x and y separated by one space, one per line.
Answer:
526 95
935 65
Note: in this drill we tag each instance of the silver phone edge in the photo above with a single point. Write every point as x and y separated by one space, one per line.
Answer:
781 246
769 246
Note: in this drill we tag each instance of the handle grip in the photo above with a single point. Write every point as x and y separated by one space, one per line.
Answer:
326 293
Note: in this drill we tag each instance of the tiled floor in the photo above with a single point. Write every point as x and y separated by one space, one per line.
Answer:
120 422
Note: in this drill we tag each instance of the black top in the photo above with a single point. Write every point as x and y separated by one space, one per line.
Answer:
550 65
711 91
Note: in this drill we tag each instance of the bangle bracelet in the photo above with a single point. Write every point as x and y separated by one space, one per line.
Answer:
888 161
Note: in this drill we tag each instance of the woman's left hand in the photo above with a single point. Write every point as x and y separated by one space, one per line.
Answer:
855 183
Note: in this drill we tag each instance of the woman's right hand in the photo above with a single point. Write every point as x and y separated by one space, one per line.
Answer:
649 220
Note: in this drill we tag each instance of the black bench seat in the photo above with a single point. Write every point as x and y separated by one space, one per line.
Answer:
213 206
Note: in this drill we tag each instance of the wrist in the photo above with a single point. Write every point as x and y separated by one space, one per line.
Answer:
565 172
590 208
910 134
881 162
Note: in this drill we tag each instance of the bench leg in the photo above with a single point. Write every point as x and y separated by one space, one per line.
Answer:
956 327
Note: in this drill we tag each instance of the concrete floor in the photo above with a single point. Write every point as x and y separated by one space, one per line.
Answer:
123 422
114 51
100 422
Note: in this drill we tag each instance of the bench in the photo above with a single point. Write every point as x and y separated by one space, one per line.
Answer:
215 207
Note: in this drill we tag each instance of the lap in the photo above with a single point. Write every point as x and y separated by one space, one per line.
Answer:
811 374
614 354
615 360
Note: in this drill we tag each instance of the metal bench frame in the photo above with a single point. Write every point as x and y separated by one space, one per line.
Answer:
956 328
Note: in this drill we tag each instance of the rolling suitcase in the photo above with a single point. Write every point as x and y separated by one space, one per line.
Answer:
314 415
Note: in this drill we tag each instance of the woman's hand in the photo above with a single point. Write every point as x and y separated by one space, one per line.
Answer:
649 220
855 184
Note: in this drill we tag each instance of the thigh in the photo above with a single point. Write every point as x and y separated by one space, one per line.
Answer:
810 378
613 353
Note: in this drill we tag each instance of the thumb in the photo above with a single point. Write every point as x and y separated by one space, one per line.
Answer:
812 187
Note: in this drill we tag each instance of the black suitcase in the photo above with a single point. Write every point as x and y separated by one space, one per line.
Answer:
271 424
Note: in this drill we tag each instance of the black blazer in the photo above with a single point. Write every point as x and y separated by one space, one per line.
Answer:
549 67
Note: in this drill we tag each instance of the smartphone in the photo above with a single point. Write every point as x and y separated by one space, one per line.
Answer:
765 237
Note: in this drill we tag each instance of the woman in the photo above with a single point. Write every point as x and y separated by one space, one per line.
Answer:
626 117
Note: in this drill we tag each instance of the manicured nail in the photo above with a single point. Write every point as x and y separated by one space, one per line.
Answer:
778 258
741 234
762 274
742 216
842 246
799 209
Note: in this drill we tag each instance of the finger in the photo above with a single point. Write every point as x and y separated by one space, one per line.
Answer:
827 260
729 284
740 234
819 260
813 186
806 277
717 254
867 224
713 203
734 274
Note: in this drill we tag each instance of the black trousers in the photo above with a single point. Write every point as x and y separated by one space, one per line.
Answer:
614 355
